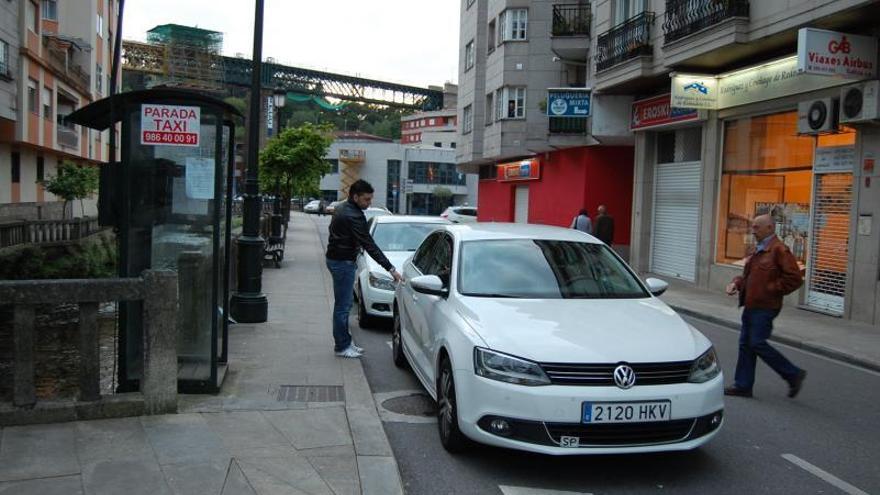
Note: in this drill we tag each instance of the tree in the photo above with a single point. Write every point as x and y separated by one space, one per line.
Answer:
443 195
72 182
293 161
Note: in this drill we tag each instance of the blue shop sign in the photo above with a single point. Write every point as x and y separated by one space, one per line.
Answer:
567 103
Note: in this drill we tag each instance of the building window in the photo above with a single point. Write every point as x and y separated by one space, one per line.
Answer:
32 95
99 78
510 103
100 25
41 169
16 167
435 173
626 9
50 10
469 55
767 168
392 200
490 38
488 172
47 104
31 17
438 144
5 68
431 121
452 145
468 118
514 24
334 165
489 107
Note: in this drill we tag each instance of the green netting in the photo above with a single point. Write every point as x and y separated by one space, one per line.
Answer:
321 102
186 35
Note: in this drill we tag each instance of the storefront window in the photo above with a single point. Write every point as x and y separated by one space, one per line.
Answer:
767 168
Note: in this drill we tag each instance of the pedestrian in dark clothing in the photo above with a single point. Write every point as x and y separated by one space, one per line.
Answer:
604 230
770 273
582 222
349 234
321 207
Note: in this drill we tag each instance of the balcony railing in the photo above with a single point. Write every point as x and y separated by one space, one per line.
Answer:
628 40
68 137
685 17
62 62
571 20
568 125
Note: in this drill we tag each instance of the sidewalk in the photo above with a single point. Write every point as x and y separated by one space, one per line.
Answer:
837 338
291 417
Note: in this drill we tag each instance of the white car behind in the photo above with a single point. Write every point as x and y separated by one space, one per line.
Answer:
397 236
541 339
460 214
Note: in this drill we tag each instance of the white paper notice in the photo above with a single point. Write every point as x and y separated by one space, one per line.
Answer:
183 205
199 178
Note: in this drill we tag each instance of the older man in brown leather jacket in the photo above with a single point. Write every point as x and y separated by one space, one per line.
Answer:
770 273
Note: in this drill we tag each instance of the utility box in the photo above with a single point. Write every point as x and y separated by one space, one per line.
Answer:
170 200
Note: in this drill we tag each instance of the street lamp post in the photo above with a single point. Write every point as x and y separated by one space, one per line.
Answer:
279 98
249 304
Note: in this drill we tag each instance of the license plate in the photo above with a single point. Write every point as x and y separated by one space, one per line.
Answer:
626 412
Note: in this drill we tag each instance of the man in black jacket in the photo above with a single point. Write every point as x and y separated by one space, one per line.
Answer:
604 228
348 234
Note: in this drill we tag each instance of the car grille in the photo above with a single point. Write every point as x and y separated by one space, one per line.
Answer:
602 375
623 433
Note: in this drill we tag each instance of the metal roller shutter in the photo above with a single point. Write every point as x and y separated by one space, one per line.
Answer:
829 250
676 219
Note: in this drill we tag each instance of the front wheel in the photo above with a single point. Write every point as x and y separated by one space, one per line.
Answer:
451 437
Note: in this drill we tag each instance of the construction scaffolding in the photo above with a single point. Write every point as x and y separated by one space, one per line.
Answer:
192 57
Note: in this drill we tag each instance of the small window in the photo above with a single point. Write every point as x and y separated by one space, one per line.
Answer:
438 144
490 38
431 121
50 10
468 118
99 77
469 55
31 17
100 25
41 168
510 103
489 119
47 104
452 145
5 69
16 167
514 24
32 96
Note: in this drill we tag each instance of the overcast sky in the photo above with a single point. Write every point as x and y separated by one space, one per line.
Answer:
407 41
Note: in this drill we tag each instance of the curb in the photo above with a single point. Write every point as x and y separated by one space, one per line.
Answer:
821 350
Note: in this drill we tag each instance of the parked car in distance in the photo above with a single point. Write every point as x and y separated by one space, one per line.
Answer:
331 208
312 206
542 339
397 236
375 211
460 214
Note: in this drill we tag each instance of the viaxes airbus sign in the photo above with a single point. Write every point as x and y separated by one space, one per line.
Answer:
830 53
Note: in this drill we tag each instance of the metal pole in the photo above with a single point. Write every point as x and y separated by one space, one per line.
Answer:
249 304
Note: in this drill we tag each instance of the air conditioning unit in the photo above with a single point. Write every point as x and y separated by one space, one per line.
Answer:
860 102
817 116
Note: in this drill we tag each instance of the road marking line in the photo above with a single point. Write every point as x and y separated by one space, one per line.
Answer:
824 475
519 490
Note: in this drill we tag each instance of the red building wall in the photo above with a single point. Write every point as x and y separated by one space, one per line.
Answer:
571 179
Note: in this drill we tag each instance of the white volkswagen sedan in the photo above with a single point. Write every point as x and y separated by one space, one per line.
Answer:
542 339
397 236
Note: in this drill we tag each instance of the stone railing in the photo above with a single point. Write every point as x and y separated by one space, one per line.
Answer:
158 395
47 231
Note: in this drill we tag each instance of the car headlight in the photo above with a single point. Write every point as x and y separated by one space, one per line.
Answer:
380 282
504 368
705 368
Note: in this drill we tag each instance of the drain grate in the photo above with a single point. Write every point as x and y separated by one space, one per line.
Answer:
311 393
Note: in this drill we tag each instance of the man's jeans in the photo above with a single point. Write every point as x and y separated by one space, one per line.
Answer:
343 288
757 324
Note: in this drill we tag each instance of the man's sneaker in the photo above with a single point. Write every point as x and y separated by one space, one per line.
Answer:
794 386
735 391
357 347
349 352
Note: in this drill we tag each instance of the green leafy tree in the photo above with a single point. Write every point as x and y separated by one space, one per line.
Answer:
73 182
443 195
293 161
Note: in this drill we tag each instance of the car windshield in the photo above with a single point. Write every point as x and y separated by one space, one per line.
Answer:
544 269
402 236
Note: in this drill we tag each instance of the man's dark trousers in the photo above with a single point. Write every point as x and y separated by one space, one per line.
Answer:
343 273
757 324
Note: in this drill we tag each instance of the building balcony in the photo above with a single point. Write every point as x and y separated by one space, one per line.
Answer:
352 156
60 57
686 17
626 41
571 19
68 138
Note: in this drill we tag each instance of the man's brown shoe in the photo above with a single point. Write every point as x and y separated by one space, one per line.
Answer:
794 386
737 392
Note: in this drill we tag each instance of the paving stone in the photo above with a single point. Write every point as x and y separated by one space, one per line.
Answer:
244 429
112 439
236 483
182 438
379 475
367 432
340 472
124 477
38 451
283 475
65 485
197 478
312 428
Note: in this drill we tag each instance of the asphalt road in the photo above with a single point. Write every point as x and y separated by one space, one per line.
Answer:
826 441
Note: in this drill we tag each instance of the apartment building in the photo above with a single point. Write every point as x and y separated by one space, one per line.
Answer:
740 108
56 57
406 179
435 128
524 104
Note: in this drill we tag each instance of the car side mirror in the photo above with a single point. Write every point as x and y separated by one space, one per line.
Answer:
429 284
656 286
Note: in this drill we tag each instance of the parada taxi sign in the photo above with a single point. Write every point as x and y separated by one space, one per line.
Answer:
170 125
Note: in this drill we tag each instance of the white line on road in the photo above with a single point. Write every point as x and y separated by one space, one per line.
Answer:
519 490
824 475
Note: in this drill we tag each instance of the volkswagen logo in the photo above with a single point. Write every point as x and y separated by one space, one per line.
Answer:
624 376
